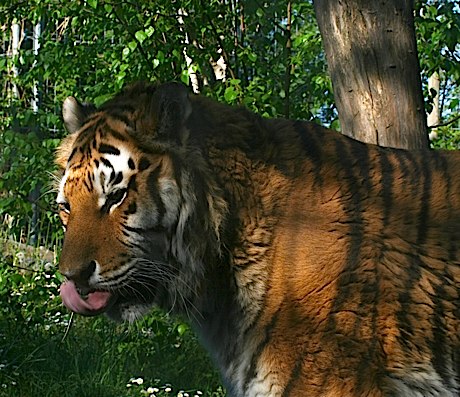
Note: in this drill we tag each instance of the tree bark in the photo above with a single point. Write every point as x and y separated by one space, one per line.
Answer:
372 59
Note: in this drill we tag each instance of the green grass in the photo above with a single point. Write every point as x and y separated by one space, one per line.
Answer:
45 352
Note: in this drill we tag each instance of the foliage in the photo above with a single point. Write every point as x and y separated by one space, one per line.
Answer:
438 37
26 162
447 138
95 48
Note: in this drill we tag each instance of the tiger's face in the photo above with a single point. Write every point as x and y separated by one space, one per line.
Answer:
121 206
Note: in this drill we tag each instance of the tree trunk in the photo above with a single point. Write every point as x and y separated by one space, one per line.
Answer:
372 58
434 117
16 28
287 76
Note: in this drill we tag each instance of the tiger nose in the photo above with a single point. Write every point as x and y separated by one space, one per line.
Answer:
82 274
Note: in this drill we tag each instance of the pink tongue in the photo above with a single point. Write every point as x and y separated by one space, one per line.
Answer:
95 303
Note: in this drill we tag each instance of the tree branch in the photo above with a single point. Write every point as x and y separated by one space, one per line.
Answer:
287 77
451 121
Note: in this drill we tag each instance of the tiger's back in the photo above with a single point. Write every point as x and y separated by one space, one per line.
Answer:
314 264
356 248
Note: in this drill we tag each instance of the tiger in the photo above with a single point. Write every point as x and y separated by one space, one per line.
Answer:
308 263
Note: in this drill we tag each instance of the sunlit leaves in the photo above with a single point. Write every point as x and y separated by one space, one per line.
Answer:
92 3
140 36
438 36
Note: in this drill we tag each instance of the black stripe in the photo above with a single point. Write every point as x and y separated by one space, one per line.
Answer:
252 372
405 300
89 179
144 163
144 231
112 199
153 189
86 131
109 149
353 156
86 185
404 166
121 117
424 213
387 186
118 109
439 341
132 208
294 377
309 142
443 167
115 134
137 230
74 150
177 171
131 164
312 148
93 117
132 245
118 276
118 179
132 184
106 162
353 160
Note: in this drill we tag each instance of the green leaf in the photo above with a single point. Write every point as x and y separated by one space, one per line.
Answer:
140 36
92 3
182 329
132 45
230 94
252 57
149 31
184 77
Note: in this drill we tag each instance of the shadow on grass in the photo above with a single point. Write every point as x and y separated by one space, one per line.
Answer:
98 358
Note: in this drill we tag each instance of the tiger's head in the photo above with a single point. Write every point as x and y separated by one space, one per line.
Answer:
136 228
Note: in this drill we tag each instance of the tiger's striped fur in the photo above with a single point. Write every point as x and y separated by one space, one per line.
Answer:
310 264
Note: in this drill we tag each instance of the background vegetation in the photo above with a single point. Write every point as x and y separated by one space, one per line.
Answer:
239 52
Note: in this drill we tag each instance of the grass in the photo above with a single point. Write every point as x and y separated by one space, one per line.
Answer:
46 352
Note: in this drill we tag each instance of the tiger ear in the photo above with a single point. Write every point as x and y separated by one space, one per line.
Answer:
75 113
171 107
